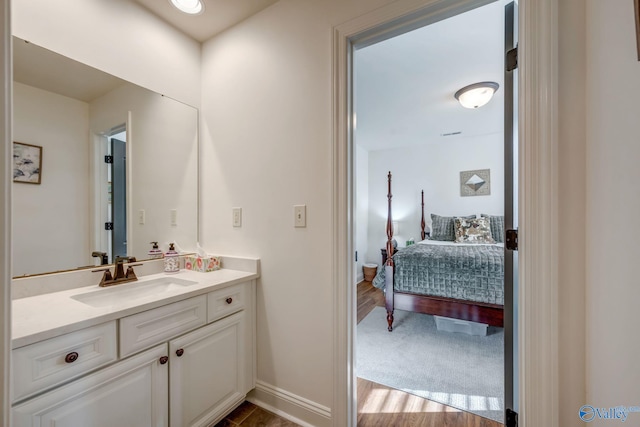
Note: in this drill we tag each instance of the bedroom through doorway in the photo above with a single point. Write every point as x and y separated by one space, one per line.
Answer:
445 174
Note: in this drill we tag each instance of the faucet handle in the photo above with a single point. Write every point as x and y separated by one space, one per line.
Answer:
130 274
106 277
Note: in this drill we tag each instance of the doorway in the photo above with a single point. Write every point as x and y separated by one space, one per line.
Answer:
118 196
109 176
406 212
538 181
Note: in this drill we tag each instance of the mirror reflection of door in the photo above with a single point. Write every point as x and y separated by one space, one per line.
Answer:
118 197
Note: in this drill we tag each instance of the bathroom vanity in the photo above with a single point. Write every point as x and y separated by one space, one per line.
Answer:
167 350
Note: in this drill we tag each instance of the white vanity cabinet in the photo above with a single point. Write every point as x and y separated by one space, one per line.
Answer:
49 363
207 373
132 392
191 360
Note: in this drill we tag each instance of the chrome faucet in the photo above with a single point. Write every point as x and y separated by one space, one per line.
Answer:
119 275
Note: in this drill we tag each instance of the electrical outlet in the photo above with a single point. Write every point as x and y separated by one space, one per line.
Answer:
237 217
174 216
141 217
300 215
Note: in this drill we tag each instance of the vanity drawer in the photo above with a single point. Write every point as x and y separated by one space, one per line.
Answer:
224 302
152 327
48 363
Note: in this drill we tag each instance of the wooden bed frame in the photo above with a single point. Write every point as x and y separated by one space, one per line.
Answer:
491 314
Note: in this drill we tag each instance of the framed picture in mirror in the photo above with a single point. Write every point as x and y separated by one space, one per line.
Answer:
27 163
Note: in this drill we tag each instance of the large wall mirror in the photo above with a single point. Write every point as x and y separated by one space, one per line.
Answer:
118 167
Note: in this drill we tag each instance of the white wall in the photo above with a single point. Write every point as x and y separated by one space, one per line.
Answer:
119 37
612 201
50 221
434 168
361 208
267 145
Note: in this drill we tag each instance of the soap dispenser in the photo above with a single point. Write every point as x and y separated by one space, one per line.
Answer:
155 252
171 260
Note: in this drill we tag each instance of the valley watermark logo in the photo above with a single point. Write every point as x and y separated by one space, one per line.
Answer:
589 413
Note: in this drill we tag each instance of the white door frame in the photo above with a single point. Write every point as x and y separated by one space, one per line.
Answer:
6 146
537 205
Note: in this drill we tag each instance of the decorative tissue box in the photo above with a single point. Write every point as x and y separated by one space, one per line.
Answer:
203 265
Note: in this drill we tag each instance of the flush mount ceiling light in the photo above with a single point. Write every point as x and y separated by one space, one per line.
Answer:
192 7
477 94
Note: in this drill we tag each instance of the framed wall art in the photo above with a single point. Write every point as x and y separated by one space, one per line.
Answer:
475 183
27 163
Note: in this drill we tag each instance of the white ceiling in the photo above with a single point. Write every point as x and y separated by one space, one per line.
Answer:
404 86
46 70
218 15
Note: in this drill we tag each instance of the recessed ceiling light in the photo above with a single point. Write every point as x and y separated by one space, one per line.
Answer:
192 7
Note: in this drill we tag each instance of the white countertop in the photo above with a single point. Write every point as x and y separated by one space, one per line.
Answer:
44 316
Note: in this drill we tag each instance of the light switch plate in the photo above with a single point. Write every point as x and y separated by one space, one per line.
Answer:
141 217
300 215
237 217
174 216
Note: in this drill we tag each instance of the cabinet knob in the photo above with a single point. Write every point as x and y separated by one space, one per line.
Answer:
163 360
179 352
71 357
229 300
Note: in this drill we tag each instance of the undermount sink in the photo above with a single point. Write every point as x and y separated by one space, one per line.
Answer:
132 292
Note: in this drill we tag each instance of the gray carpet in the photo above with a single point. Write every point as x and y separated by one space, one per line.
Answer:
459 370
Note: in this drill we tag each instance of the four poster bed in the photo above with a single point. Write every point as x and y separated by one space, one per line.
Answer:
444 278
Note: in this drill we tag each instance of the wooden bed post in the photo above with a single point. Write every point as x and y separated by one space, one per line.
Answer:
389 266
423 235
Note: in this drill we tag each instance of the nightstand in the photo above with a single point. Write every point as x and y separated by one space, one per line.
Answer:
383 251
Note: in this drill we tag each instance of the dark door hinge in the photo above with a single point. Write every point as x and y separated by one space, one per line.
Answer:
108 159
511 59
108 226
512 418
356 256
511 240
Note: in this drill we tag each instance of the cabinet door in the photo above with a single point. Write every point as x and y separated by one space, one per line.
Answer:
207 375
133 392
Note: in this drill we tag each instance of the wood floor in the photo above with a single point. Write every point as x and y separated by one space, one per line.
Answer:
378 405
250 415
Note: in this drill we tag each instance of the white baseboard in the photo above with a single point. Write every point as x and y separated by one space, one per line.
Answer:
290 406
359 277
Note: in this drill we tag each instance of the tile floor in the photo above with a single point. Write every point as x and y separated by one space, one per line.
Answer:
249 415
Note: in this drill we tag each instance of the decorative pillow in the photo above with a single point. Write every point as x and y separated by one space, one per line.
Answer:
497 227
477 230
443 227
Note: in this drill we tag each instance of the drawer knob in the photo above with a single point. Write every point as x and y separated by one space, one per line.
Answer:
163 360
229 300
71 357
179 352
